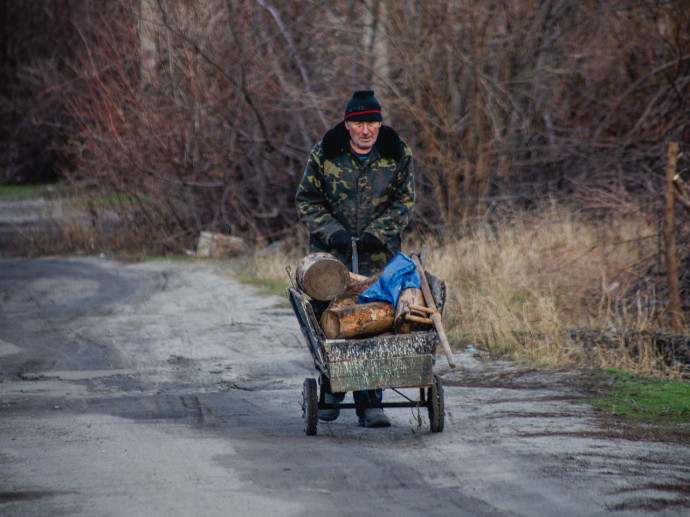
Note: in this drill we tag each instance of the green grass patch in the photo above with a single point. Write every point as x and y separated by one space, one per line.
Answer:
646 398
17 190
30 191
115 200
120 199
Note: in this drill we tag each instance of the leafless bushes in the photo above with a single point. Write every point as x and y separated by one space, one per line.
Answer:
517 99
198 126
201 114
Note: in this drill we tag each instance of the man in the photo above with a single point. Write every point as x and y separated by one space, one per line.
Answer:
358 183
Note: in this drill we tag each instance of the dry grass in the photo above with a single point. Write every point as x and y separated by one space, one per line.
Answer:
77 233
554 289
84 224
267 268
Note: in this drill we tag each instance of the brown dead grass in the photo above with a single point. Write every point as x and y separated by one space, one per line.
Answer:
522 286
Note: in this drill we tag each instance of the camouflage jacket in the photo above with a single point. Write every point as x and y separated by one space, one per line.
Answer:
339 191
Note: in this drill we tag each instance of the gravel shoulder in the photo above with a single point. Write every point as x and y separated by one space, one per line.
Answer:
169 388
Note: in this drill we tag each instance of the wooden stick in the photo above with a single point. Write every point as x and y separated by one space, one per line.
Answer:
436 317
421 308
674 306
419 319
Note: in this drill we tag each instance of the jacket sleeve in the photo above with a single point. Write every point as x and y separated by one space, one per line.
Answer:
388 226
313 206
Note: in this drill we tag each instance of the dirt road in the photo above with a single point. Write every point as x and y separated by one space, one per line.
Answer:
170 389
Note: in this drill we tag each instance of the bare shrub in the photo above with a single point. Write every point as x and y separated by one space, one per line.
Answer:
512 99
204 112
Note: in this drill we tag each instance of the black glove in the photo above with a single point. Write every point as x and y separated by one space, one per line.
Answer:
340 240
367 242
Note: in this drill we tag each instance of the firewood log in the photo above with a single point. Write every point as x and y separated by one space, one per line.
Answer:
359 283
357 320
322 276
344 300
408 299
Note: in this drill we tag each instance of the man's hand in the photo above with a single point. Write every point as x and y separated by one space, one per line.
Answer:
367 242
340 240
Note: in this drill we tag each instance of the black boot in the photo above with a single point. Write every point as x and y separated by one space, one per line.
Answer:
371 416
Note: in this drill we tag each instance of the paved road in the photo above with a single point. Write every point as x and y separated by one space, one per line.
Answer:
170 389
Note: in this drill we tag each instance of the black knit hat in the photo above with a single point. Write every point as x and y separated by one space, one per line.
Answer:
363 107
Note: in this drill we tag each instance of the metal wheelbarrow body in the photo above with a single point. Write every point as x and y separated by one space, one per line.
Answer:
371 363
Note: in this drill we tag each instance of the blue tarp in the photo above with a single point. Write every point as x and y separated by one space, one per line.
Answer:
399 274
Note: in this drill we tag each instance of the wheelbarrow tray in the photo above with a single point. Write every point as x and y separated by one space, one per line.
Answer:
377 362
397 361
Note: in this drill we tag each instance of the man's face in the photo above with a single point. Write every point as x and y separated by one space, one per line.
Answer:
363 135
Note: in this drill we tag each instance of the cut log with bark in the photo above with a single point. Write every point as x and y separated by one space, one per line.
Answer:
359 283
322 276
357 320
344 300
408 316
355 278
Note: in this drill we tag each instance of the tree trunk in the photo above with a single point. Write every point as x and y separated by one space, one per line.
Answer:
148 30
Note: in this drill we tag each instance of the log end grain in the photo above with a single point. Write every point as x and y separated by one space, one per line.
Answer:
330 324
322 276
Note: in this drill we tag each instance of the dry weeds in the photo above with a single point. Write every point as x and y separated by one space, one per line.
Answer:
546 289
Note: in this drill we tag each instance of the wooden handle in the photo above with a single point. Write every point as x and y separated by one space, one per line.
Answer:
420 308
436 317
418 319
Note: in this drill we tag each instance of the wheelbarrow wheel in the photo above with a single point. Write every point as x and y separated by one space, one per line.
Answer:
310 407
435 405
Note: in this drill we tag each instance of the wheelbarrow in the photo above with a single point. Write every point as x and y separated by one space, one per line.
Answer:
393 361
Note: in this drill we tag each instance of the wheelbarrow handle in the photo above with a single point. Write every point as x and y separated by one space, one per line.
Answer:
435 316
355 256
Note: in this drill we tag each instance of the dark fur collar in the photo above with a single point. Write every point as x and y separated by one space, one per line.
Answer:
337 141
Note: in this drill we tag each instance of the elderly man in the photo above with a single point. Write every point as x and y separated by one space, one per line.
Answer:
358 183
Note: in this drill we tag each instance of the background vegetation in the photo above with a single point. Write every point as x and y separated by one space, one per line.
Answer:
539 129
